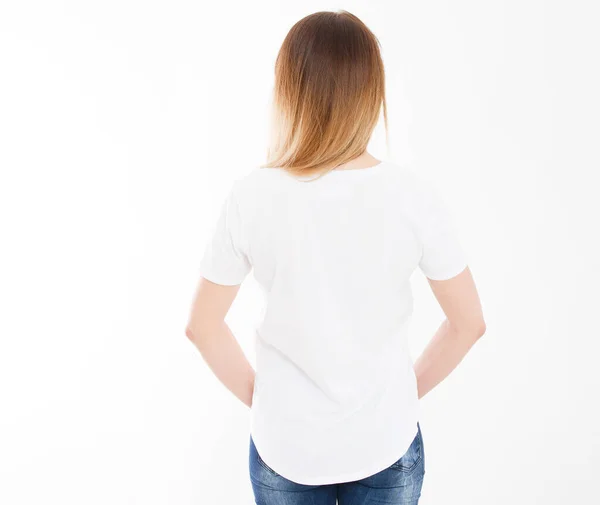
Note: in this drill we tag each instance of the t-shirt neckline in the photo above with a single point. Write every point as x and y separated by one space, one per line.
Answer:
372 167
355 171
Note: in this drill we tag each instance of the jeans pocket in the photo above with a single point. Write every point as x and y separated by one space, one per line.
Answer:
413 456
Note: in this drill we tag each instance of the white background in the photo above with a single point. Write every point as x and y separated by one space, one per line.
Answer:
123 125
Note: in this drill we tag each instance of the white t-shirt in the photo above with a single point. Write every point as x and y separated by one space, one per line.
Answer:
335 395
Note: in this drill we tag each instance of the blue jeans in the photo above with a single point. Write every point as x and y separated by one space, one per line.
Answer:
400 483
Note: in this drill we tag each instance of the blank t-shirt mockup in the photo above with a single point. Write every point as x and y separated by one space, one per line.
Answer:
335 394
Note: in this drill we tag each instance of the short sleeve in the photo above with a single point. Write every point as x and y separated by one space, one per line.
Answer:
224 260
442 254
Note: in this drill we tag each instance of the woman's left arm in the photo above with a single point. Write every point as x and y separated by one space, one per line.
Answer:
208 331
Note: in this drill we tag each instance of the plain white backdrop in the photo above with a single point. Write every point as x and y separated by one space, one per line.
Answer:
123 125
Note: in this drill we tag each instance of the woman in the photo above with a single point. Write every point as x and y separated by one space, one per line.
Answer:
332 235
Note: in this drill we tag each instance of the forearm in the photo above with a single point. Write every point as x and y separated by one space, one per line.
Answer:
444 352
226 359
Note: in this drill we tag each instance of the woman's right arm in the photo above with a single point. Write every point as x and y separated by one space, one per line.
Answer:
463 326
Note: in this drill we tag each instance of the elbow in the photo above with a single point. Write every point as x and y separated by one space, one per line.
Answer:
197 335
190 334
481 329
201 332
197 325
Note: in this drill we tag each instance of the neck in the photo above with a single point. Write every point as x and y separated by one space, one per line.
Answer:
365 160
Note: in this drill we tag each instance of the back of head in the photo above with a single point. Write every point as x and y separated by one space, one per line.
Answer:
328 93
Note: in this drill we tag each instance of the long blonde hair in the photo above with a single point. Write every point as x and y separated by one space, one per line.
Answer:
328 93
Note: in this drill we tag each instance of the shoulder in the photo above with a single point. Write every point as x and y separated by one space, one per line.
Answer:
257 179
256 188
409 183
416 196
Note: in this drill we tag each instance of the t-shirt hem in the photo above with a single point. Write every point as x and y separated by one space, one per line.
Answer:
223 280
381 465
448 274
